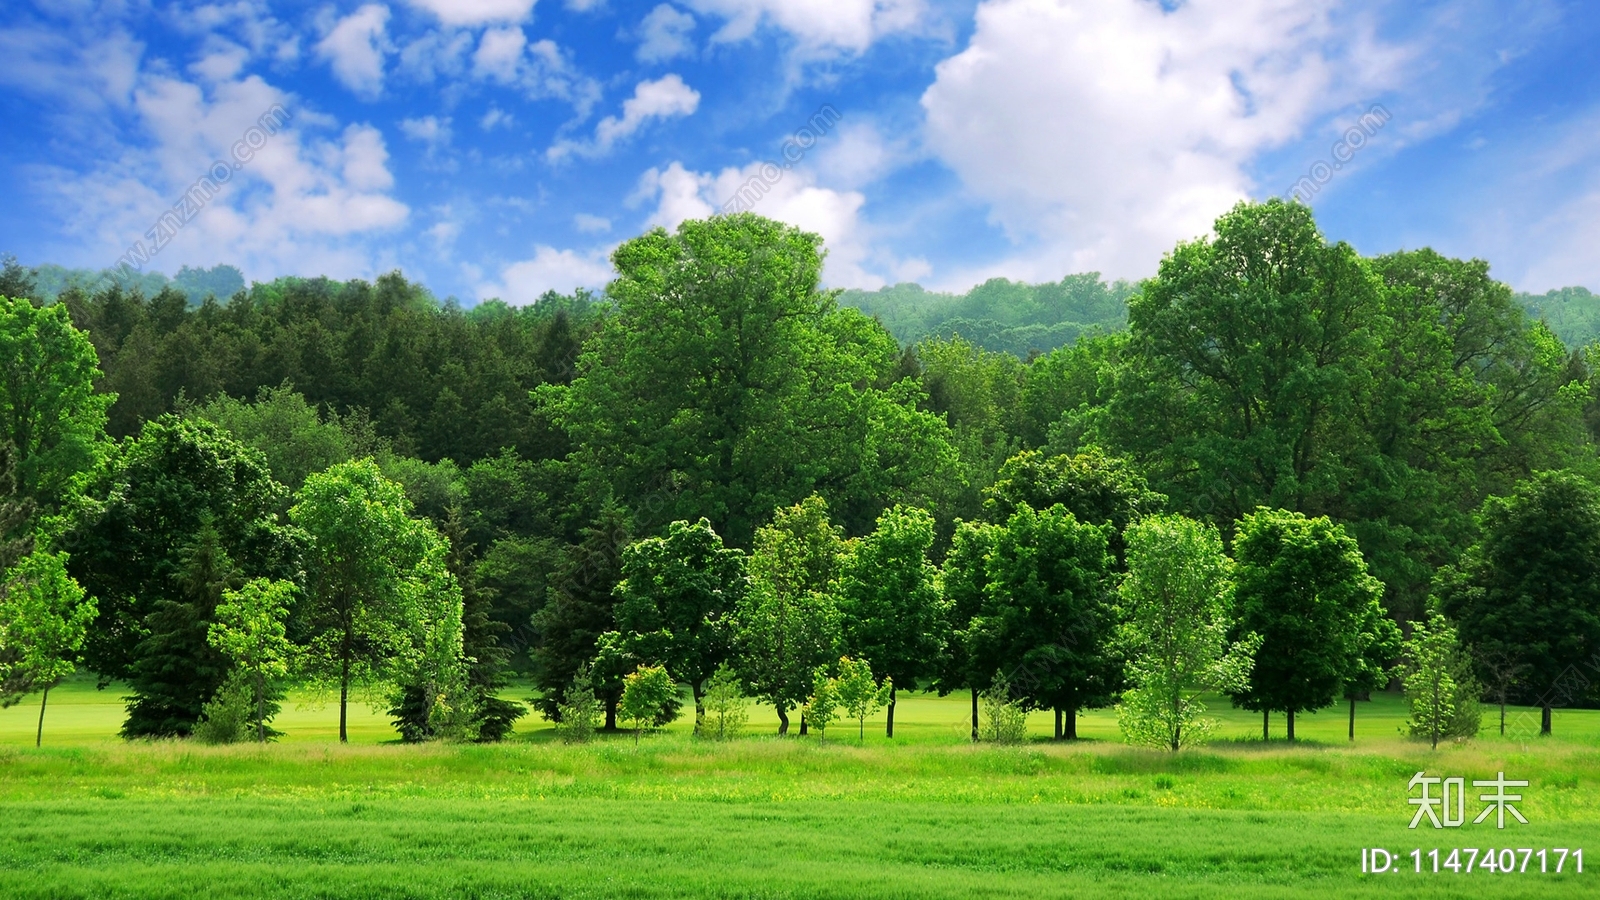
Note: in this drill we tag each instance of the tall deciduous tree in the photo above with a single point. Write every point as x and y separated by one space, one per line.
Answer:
382 605
44 615
1094 486
50 413
1047 616
1177 607
788 624
968 660
676 600
1531 584
1302 585
890 605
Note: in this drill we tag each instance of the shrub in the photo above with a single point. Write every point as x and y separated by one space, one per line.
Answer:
727 708
578 710
1004 719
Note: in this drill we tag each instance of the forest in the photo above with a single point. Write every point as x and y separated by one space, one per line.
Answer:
1277 471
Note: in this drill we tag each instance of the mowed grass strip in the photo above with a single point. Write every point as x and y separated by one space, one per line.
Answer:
927 815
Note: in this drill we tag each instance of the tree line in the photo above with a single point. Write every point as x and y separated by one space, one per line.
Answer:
716 470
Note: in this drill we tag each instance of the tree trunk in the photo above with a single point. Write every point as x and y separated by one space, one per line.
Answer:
261 709
1502 717
1071 717
1352 720
611 714
38 737
889 731
344 699
783 721
1544 720
699 706
1265 716
1058 723
974 715
803 729
1291 726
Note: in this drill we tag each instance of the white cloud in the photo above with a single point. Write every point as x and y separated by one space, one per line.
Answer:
476 12
790 196
851 25
524 282
430 130
499 54
437 54
586 5
355 48
665 98
1103 131
664 34
591 224
494 118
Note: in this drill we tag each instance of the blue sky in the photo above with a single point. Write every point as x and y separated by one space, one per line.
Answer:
499 148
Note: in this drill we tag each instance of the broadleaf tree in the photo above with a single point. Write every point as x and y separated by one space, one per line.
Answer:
44 616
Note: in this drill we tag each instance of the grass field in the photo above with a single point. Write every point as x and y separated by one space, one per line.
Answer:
930 816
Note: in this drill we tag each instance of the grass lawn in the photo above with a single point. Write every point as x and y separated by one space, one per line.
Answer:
930 816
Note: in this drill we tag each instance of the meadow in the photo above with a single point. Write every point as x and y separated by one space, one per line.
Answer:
931 815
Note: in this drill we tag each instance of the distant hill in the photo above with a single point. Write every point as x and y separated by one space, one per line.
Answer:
220 281
1001 315
1573 313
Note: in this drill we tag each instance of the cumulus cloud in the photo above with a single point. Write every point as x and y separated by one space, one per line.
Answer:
355 47
1107 130
550 269
499 55
791 196
665 98
850 25
430 130
476 12
664 34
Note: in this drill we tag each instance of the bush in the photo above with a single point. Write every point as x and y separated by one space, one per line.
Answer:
1004 719
647 695
227 718
727 708
579 710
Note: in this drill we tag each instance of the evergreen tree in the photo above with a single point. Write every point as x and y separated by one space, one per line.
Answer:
581 608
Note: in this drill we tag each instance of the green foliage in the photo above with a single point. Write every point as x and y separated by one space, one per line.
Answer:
249 630
964 582
1094 486
788 622
44 618
1005 719
822 707
50 415
1176 606
382 606
890 605
582 599
579 710
676 599
1301 585
1529 588
1046 616
1438 684
858 693
233 714
296 439
645 693
725 705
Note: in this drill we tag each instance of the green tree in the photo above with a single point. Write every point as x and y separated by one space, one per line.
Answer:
788 622
1438 685
822 707
645 692
1047 615
579 711
675 602
50 413
1378 642
1005 716
1094 486
725 705
1177 603
182 513
890 604
859 693
44 615
968 661
1301 585
1531 584
580 609
381 604
250 630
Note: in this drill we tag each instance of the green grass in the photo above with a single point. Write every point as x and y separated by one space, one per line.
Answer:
930 816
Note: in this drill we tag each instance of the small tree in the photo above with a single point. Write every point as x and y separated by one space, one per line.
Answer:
860 694
725 705
1378 642
44 617
1503 673
1438 684
1005 721
1176 603
645 693
579 709
249 629
823 704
